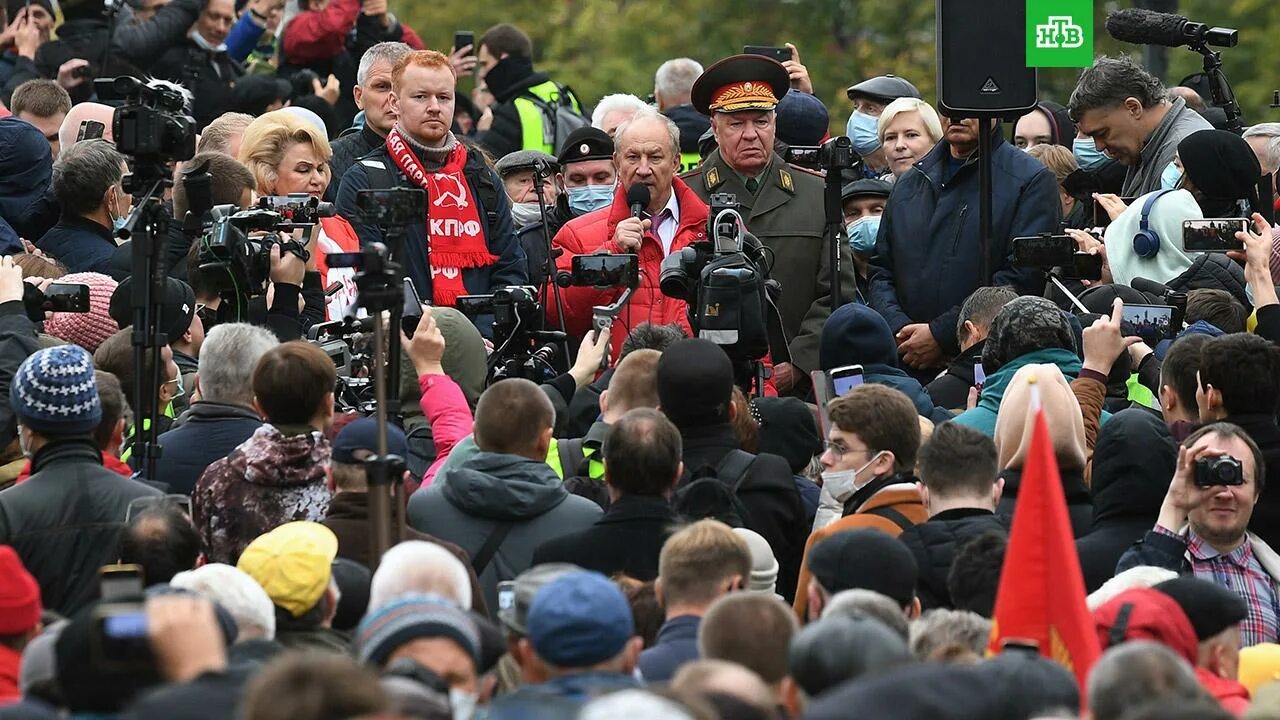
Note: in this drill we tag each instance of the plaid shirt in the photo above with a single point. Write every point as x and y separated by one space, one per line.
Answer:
1241 572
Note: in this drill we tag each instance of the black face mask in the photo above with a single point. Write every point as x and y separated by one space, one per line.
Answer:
209 317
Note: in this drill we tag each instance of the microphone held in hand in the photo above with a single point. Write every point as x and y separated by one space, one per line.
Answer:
638 198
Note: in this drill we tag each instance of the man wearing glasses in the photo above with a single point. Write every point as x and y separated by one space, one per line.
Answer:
868 467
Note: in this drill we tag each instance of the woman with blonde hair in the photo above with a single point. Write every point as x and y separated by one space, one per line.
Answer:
908 128
288 155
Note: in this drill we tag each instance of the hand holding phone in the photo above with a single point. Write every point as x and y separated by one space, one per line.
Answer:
781 54
1213 235
844 379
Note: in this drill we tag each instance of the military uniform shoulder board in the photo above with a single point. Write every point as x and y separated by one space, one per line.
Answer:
784 180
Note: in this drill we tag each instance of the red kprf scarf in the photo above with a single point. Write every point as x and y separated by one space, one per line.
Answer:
455 234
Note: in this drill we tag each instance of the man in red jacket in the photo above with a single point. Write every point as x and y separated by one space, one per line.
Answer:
647 152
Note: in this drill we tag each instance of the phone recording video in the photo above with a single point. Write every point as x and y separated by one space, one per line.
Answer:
1152 323
781 54
844 379
1213 234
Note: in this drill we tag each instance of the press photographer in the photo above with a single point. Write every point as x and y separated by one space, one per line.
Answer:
467 243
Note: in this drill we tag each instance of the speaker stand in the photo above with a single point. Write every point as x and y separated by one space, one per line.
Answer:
986 125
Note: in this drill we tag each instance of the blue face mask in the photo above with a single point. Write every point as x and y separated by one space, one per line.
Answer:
862 234
590 197
1088 156
862 131
1170 177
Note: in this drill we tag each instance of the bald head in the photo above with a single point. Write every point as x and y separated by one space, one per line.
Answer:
79 114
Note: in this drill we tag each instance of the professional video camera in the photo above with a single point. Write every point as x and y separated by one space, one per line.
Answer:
725 283
348 343
833 155
238 242
522 347
151 126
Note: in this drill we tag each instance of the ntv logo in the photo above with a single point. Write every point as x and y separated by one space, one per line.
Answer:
1059 33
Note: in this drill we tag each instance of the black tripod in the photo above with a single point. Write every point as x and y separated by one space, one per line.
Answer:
541 173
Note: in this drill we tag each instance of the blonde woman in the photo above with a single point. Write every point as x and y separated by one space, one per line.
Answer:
908 128
286 155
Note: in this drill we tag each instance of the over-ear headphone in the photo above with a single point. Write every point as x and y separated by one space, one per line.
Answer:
1147 242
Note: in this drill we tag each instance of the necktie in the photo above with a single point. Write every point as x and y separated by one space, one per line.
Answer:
752 185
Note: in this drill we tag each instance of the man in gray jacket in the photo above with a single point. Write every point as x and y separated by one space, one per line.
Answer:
505 500
1131 117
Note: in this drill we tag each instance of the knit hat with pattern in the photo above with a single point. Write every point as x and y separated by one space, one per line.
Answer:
54 392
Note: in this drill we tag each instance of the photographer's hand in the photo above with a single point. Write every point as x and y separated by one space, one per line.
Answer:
1184 495
1103 341
918 347
286 268
592 355
1110 203
185 637
630 233
1257 261
426 348
66 73
329 91
798 73
11 285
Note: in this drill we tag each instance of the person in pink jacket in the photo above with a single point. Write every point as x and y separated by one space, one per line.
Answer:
443 402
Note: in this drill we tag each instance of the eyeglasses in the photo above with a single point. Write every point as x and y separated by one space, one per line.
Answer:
179 390
839 451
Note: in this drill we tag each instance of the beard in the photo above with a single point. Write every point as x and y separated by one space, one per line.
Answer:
1220 535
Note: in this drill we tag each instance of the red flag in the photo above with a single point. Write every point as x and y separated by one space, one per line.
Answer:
1041 595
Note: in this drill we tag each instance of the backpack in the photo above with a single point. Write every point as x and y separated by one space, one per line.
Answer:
560 116
712 492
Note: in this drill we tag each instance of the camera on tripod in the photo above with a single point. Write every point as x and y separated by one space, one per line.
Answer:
522 348
151 126
833 155
237 248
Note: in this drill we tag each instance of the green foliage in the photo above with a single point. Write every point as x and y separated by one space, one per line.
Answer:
606 46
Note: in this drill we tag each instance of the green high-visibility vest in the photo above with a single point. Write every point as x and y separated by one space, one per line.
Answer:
533 125
689 161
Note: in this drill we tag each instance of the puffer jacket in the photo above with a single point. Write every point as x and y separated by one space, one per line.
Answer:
270 479
935 543
1216 272
593 232
465 505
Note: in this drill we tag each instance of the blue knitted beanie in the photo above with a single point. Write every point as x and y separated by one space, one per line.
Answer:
54 392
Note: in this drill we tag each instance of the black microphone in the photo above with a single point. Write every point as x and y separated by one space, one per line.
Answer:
1147 27
638 198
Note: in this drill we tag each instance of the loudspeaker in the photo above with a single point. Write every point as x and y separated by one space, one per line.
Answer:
982 59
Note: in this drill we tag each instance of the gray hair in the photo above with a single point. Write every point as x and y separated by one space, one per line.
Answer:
237 593
1135 673
417 566
635 703
1142 576
387 52
83 173
674 79
939 628
1109 81
227 358
861 602
649 114
615 103
1268 130
982 306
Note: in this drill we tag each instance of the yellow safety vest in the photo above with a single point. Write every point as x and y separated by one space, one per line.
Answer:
533 126
689 161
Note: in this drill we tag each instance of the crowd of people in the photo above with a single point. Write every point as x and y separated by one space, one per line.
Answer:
647 533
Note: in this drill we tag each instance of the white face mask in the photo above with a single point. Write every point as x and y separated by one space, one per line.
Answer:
525 214
841 484
463 704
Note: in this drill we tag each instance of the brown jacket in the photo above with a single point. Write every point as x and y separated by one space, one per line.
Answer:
901 497
1090 394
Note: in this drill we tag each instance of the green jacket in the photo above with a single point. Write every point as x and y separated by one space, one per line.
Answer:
788 215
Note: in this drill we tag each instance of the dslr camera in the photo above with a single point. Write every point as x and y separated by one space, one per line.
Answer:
1221 470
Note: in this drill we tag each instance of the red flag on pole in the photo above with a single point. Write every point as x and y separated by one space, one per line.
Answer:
1041 596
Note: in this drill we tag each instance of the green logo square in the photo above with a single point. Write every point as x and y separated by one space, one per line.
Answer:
1059 33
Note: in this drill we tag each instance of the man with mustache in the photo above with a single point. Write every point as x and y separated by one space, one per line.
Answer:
1203 530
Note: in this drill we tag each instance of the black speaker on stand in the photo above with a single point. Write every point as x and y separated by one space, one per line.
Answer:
983 74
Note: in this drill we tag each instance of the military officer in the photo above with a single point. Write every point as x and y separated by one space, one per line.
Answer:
781 204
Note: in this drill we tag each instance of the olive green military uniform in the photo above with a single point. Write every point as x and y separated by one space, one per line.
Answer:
787 214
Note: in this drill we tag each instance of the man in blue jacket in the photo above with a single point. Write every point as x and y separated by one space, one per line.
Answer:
929 245
472 246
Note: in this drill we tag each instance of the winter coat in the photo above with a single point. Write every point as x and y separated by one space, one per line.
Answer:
79 243
1159 149
983 417
348 518
65 521
211 431
348 149
935 544
928 252
1132 464
1216 272
268 480
626 539
26 171
499 232
534 242
692 124
1266 514
951 389
467 504
18 340
858 335
1079 504
208 74
509 79
558 699
898 494
676 644
1165 219
768 494
593 232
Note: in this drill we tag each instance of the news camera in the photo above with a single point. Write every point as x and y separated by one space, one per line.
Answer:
151 126
834 155
523 348
236 250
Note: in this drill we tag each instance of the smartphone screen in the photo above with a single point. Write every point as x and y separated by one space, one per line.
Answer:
1213 234
846 378
116 581
979 376
464 38
1152 323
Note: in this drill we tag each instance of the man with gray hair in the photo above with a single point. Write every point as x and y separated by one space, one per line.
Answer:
86 182
1135 673
672 85
223 417
951 389
1264 138
372 93
240 595
646 152
415 566
1128 113
614 110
